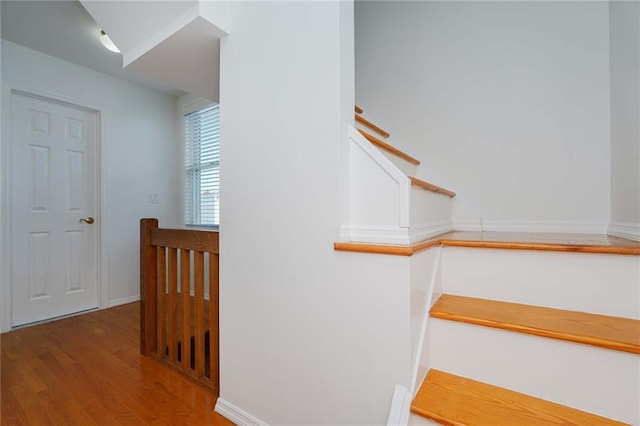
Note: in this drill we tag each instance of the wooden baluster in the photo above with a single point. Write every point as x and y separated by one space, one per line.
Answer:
161 275
185 288
214 325
173 305
147 287
198 258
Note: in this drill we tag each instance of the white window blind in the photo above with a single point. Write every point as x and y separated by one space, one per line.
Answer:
202 166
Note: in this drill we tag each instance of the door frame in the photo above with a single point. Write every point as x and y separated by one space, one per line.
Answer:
6 286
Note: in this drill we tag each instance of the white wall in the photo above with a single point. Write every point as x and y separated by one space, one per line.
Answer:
624 18
139 149
308 335
505 103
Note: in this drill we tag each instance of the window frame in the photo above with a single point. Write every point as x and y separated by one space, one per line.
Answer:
188 108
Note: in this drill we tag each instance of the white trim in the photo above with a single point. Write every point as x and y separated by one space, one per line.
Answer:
195 105
404 184
425 321
236 415
630 231
400 406
467 225
374 234
123 301
568 226
419 233
8 87
379 234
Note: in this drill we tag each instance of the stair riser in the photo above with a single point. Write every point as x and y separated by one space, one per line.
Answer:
596 283
595 380
428 207
406 167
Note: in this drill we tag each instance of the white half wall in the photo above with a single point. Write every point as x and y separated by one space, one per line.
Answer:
139 146
505 103
308 335
624 18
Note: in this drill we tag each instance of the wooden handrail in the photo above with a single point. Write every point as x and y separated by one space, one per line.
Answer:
185 239
359 110
360 119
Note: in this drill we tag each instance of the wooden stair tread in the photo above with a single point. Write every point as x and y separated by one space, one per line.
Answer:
360 119
622 334
543 241
455 400
431 187
393 150
359 110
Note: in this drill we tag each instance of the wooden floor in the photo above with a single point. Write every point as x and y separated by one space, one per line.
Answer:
86 370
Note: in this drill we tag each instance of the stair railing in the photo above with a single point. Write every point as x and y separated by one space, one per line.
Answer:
179 300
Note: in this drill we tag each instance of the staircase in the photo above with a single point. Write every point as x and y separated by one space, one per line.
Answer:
509 328
390 204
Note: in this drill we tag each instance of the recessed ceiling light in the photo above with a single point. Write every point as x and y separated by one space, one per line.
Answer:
106 42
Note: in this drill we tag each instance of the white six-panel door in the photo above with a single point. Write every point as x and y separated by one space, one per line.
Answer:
53 187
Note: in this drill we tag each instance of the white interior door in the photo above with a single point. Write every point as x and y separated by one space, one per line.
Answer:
54 255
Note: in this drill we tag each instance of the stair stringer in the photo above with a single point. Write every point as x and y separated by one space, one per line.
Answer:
379 194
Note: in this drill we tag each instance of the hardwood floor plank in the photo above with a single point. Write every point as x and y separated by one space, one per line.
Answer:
87 370
622 334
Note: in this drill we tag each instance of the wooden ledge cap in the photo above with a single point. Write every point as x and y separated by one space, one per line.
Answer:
360 119
505 240
431 187
391 149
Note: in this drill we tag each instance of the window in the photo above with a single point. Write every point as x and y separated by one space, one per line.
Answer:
202 166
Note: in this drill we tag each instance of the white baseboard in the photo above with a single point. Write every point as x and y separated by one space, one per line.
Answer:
424 232
630 231
400 406
569 227
393 235
375 234
123 301
236 415
467 225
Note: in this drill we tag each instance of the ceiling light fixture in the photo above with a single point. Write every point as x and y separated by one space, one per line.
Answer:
106 42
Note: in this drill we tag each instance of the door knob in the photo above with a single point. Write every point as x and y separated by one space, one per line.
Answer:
88 220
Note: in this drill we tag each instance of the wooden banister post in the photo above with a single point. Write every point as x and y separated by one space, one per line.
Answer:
148 314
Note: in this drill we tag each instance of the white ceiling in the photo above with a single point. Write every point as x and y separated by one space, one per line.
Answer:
65 30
